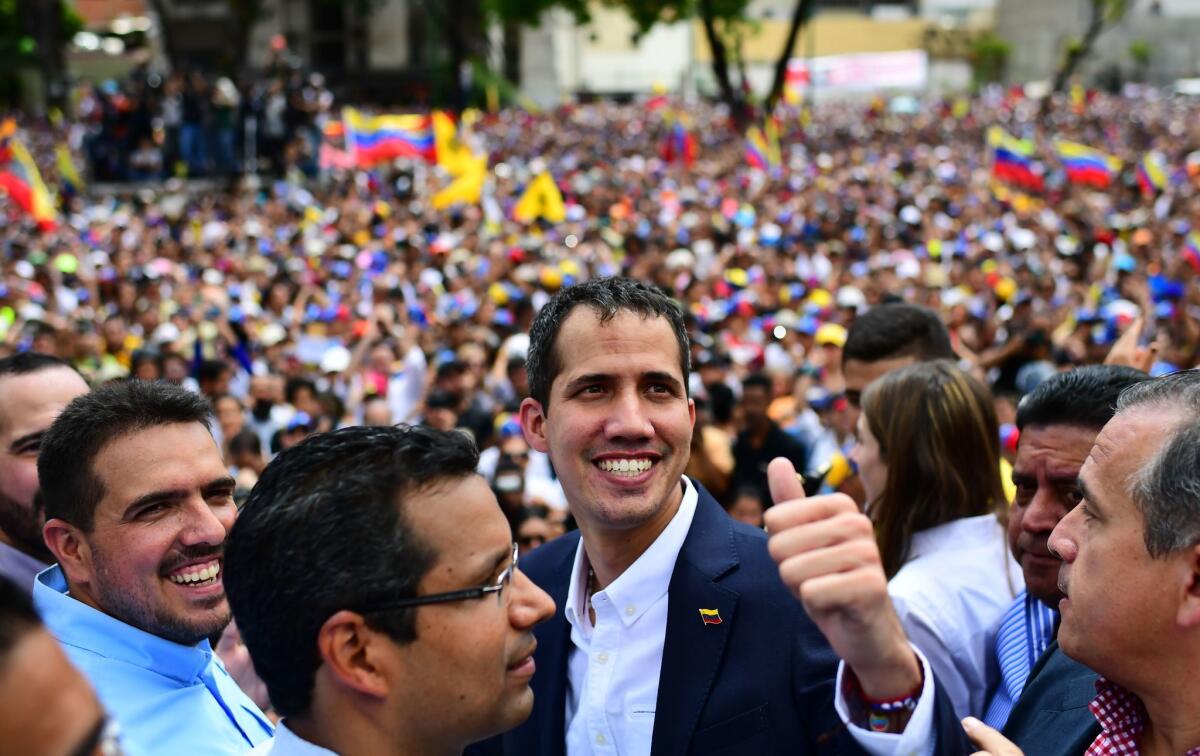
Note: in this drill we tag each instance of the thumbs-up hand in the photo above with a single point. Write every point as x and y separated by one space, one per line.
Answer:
828 557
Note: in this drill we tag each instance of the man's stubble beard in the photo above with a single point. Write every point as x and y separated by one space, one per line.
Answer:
23 526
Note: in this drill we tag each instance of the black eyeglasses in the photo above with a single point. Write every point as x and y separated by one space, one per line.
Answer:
103 740
465 594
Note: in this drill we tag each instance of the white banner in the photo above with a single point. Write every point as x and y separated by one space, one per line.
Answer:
858 72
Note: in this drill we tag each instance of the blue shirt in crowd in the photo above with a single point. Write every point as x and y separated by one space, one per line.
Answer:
167 698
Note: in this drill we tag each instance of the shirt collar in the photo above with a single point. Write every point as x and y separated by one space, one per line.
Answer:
76 624
288 742
963 532
646 580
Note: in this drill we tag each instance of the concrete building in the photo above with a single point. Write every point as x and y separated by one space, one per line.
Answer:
1039 31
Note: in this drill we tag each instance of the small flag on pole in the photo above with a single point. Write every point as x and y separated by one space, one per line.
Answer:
1152 174
710 616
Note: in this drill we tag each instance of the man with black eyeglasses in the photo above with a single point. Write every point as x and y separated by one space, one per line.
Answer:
375 580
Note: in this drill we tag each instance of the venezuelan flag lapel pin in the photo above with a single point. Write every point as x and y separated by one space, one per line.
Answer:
710 616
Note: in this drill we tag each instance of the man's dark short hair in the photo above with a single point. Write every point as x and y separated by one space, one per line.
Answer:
17 617
245 441
324 530
24 363
606 297
71 490
211 370
759 381
1085 397
896 330
295 386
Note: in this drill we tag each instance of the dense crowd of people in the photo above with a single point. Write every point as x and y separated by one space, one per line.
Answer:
934 351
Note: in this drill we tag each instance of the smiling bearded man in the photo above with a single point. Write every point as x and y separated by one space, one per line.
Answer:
138 506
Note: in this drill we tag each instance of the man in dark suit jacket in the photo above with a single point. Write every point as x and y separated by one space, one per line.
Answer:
1052 716
741 666
1131 608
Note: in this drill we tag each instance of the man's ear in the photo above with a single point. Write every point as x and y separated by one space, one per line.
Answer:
533 424
1189 608
71 550
350 655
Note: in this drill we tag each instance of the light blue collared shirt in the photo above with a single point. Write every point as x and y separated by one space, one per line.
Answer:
288 743
168 698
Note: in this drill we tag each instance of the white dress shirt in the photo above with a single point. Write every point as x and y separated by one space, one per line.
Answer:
951 594
288 743
613 666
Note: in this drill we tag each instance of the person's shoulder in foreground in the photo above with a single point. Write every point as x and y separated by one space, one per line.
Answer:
138 505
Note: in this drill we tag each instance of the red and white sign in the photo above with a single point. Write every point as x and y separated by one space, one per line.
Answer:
858 72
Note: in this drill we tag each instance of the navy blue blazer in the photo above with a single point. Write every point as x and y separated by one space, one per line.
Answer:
761 682
1051 718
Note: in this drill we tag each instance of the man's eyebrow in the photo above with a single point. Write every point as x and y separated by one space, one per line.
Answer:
215 486
493 563
584 380
1088 495
660 376
18 443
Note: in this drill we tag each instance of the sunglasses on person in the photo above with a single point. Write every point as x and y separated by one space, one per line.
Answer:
466 594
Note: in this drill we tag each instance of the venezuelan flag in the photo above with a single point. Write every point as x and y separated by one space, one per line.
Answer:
1191 250
1152 173
1086 165
757 153
19 177
680 144
710 616
374 139
1012 159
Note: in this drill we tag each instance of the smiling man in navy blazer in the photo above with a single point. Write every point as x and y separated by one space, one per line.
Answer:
674 633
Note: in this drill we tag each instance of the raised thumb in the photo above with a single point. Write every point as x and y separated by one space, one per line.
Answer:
785 483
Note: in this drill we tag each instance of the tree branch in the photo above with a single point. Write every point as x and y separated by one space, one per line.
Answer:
800 14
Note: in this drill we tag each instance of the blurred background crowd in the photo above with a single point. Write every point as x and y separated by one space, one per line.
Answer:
221 240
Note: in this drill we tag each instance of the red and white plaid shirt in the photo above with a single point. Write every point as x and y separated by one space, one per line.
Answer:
1122 718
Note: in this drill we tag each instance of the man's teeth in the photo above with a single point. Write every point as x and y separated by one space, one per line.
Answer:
626 466
204 574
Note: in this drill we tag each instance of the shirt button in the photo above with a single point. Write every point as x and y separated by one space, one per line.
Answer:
602 657
600 739
629 610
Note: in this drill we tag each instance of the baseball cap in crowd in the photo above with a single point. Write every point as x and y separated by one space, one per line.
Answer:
831 334
300 421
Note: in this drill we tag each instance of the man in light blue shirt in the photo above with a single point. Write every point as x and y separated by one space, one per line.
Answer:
138 505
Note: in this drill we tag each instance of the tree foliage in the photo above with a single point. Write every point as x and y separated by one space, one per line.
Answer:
725 23
1101 15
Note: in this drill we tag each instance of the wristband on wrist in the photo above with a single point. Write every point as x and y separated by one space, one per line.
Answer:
881 715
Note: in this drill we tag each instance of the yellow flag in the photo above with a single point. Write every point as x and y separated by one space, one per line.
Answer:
541 200
452 154
466 188
66 168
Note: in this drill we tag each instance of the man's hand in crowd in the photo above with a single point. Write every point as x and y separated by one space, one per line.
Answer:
988 741
827 556
1128 352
